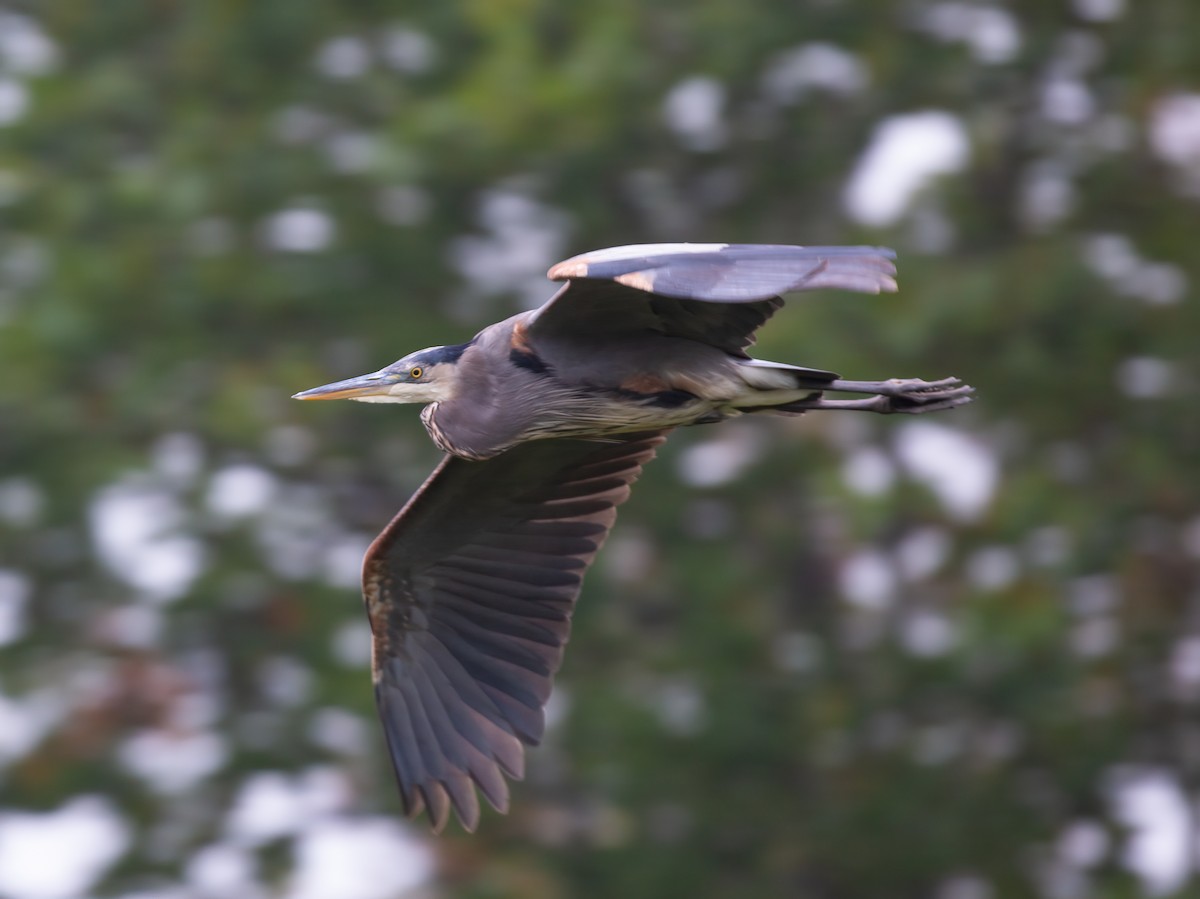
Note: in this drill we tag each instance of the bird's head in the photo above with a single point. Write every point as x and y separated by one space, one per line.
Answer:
425 376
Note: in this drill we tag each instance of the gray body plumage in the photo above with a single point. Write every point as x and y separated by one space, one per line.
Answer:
547 418
567 393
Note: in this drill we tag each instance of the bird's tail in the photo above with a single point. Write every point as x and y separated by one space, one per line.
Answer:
772 386
764 375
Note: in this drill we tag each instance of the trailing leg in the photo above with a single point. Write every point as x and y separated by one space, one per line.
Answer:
904 396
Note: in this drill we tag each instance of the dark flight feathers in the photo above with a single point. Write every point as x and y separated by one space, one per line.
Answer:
470 592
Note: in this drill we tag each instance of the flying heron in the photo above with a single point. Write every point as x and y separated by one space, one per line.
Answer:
546 419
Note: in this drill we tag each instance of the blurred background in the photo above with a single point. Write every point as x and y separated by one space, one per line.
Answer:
830 657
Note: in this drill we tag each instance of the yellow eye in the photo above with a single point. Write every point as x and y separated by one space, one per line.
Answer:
415 372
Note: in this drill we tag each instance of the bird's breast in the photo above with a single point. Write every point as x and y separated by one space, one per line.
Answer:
445 438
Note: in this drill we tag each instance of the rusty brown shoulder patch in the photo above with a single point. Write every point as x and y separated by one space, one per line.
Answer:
520 338
644 382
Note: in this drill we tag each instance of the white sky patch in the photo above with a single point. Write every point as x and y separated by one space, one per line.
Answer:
1099 10
993 568
794 73
14 100
1175 129
1151 803
680 705
344 560
133 625
344 57
59 854
693 110
990 32
136 532
926 633
1112 256
267 807
1067 101
1083 843
26 720
172 762
868 471
1115 258
628 557
294 530
272 804
408 51
179 458
24 47
720 461
21 502
224 870
351 644
868 580
338 730
523 238
558 707
921 553
14 596
1184 666
960 469
360 858
1159 283
239 491
905 154
299 230
284 681
1047 195
1145 377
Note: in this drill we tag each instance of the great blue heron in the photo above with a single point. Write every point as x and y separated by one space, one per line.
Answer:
546 418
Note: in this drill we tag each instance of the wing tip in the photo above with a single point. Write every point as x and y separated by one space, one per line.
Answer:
434 800
887 284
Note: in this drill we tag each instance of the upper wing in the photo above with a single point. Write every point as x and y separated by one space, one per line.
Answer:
714 293
469 592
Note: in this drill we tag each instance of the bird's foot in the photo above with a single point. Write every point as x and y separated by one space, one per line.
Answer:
896 396
911 396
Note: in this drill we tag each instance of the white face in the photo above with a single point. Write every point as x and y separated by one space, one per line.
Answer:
427 388
410 380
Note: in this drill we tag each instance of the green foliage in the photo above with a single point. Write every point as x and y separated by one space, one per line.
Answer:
206 207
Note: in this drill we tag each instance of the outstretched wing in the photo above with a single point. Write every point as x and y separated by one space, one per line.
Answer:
718 294
470 591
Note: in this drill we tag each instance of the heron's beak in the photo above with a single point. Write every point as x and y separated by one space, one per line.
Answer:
375 384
